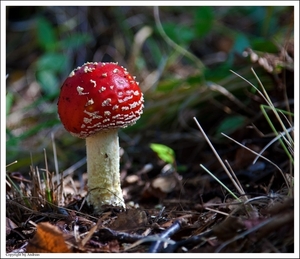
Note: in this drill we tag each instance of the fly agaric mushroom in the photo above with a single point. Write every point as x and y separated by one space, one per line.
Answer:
95 101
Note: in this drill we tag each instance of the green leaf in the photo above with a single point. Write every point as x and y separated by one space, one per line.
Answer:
264 45
204 19
241 43
230 124
165 153
181 34
168 85
48 82
55 62
45 34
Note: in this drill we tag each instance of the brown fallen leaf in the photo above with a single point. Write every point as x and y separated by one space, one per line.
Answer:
165 184
159 187
129 220
47 239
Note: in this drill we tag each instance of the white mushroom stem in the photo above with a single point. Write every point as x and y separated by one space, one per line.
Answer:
103 167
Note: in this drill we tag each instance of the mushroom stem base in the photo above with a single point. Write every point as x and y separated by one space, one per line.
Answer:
103 167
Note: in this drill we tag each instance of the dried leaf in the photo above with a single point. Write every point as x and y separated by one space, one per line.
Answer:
165 184
129 220
47 239
151 193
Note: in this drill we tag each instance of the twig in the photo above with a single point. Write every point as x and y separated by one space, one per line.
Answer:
109 234
157 246
192 241
149 239
90 233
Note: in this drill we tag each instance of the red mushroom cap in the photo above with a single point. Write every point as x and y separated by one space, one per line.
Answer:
99 96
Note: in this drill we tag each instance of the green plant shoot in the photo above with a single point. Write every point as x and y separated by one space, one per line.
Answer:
165 153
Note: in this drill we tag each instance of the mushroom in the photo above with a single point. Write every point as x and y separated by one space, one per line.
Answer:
95 101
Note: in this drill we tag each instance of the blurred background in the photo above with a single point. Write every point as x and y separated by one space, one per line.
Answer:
182 57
